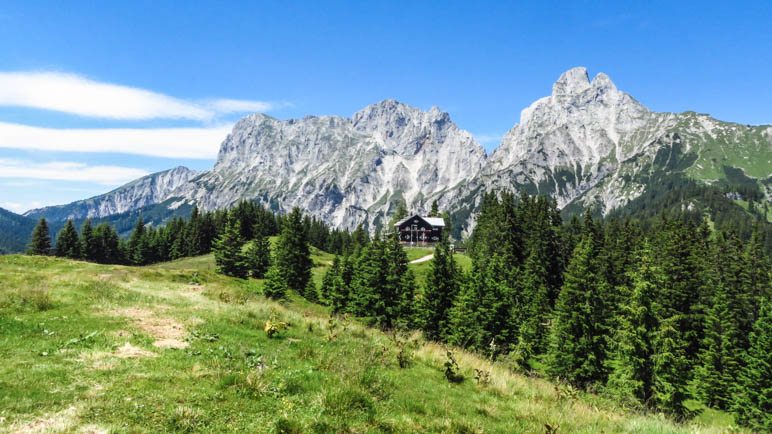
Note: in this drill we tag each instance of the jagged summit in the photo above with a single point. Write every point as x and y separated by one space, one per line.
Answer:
571 82
586 142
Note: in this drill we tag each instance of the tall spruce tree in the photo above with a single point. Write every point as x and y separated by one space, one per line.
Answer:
442 286
671 369
105 245
396 301
715 375
293 256
41 239
464 328
275 286
228 251
258 256
67 242
578 338
340 297
435 211
532 332
89 249
139 244
631 379
325 291
753 397
368 281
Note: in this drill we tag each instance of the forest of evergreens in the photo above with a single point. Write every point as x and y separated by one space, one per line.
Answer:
652 312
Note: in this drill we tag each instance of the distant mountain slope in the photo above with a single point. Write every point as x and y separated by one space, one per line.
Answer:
15 230
587 144
589 141
148 190
346 171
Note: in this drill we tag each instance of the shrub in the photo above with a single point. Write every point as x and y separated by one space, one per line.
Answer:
274 325
451 369
482 377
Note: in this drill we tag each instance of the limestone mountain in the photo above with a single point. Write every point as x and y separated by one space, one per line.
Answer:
586 144
148 190
346 171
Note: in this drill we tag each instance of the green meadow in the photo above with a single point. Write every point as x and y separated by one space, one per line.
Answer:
176 347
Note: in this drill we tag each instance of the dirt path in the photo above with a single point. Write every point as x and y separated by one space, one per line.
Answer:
423 259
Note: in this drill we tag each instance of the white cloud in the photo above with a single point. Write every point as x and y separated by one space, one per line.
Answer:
68 171
197 143
239 106
74 94
19 207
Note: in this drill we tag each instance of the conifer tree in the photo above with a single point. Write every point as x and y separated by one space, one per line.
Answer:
367 281
715 376
104 244
139 245
310 292
228 251
464 328
501 307
684 292
399 214
577 341
359 238
67 242
340 286
439 293
293 257
41 239
671 369
258 256
275 286
631 379
753 398
435 211
756 269
326 290
531 336
89 249
394 306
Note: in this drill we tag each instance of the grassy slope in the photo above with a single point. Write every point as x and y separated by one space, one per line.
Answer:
64 326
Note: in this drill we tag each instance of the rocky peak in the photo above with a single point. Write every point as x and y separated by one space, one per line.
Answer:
401 128
572 82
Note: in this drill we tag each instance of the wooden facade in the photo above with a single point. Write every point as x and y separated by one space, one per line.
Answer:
420 230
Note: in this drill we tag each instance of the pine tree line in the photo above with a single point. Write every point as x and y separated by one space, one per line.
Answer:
652 318
179 237
653 313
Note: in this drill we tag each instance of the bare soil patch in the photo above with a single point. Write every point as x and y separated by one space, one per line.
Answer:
168 332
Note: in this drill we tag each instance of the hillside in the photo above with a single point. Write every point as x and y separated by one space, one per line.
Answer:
14 232
176 347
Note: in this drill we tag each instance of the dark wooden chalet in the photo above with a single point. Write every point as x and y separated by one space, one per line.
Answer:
417 229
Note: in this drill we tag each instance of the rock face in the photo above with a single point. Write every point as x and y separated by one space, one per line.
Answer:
587 143
345 171
148 190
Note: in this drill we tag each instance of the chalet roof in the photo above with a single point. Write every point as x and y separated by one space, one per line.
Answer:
434 221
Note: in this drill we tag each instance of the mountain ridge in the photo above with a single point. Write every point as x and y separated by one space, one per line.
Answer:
586 144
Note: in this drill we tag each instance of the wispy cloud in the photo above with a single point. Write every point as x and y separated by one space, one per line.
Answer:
19 207
194 143
77 95
68 171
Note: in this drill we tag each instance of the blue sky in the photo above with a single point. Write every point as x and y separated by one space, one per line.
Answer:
93 94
